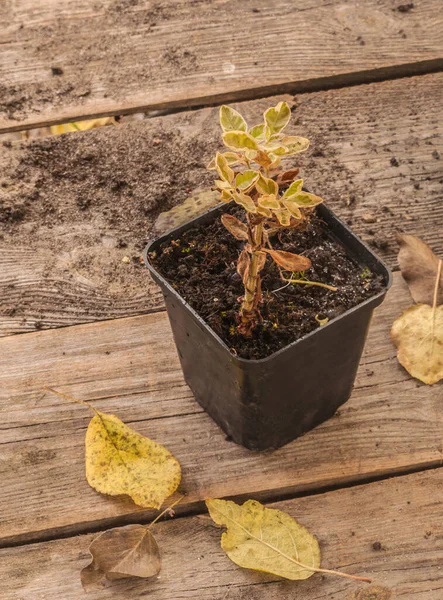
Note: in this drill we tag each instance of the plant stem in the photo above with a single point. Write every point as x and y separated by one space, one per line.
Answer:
252 280
317 283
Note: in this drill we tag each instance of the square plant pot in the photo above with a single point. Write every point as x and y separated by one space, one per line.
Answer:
269 402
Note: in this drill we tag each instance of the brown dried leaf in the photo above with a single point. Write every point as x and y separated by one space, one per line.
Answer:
243 265
129 551
419 266
261 261
236 227
289 261
287 176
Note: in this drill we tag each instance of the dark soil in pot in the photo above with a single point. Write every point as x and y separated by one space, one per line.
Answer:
201 266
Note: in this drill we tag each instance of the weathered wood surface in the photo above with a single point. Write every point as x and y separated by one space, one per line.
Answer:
84 201
390 531
129 367
65 60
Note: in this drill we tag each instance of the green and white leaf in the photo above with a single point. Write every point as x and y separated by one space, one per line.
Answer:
269 201
222 184
245 201
266 186
246 180
305 199
239 140
258 132
223 168
232 159
231 120
295 188
292 208
293 145
277 118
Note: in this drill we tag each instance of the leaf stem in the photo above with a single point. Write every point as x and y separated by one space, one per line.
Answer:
437 284
158 517
317 283
71 398
434 303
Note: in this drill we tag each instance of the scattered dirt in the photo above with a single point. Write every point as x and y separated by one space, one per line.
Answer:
404 8
73 207
373 592
92 205
96 38
37 457
201 266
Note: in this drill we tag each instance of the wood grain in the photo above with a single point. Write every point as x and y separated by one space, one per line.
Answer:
390 531
376 157
68 60
129 367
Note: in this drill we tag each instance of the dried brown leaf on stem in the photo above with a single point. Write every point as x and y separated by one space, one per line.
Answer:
123 552
418 265
418 332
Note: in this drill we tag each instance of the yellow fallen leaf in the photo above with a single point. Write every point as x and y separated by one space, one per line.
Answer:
418 335
81 125
199 202
121 461
268 540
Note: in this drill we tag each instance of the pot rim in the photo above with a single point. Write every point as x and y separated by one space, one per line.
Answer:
218 208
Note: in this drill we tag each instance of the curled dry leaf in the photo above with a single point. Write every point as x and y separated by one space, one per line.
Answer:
418 335
419 267
129 551
289 261
243 265
287 176
121 461
234 226
268 540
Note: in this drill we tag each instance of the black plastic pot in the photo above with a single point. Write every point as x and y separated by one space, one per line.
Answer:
267 403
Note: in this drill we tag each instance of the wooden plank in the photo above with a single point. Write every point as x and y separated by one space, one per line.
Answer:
68 60
389 531
83 196
391 424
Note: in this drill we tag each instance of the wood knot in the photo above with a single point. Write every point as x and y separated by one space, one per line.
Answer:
374 592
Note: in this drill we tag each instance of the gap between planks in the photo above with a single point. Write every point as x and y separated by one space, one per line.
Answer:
168 54
171 107
199 508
